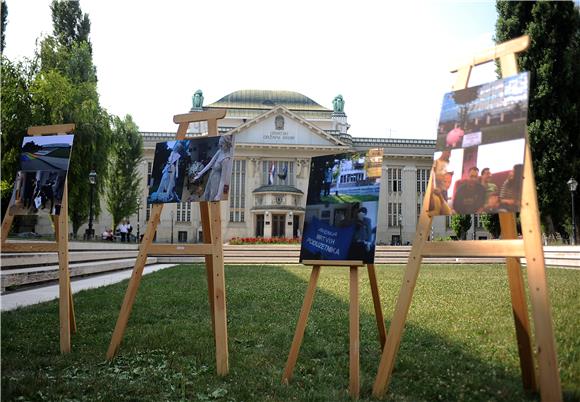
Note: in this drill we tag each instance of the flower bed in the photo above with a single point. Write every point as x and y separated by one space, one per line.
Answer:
263 240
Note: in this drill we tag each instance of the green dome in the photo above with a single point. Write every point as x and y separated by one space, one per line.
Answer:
267 99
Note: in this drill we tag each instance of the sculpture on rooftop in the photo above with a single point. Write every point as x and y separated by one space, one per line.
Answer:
338 104
197 100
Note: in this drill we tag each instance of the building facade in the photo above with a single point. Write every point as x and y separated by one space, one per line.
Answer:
276 135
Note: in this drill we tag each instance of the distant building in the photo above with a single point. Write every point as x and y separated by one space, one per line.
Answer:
284 130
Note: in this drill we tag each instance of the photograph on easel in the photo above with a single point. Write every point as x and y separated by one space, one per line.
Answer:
341 207
192 170
42 153
39 184
38 192
479 157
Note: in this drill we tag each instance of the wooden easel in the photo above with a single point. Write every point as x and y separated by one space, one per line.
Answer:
510 247
212 249
66 309
354 369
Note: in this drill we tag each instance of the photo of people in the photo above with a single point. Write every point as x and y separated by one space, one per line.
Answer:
341 207
50 152
192 170
38 192
481 142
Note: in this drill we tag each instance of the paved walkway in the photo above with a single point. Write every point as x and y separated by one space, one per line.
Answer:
27 297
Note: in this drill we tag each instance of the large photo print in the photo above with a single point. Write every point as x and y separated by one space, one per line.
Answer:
192 170
341 207
38 192
481 139
50 152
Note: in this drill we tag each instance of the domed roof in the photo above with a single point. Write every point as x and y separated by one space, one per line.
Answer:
267 99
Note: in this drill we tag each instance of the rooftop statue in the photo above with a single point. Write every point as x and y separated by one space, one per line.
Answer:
197 99
338 104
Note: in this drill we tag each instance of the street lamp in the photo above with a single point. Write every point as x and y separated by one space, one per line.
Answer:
138 217
401 229
573 185
90 233
172 213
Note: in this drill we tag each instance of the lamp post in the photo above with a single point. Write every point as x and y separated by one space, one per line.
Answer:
573 185
138 218
90 233
172 213
401 229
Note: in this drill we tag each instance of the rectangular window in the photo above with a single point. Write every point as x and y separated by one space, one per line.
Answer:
238 191
183 212
182 236
147 212
149 173
283 172
422 180
393 213
394 180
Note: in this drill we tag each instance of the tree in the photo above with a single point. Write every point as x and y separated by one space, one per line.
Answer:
490 223
4 16
15 117
460 225
123 183
554 103
65 91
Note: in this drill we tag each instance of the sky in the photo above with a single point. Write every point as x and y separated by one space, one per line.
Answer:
389 60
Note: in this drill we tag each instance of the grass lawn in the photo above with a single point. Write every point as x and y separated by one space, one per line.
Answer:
459 343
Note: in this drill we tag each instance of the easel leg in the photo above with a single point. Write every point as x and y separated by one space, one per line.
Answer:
219 292
402 308
354 335
301 325
134 283
207 236
73 322
6 225
519 306
65 296
377 304
550 388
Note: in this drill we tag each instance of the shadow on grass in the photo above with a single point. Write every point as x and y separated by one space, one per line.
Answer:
168 351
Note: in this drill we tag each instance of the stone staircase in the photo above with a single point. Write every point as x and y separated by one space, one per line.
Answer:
92 258
85 258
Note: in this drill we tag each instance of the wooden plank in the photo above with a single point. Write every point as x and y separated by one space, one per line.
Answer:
474 248
52 129
206 230
516 45
199 116
181 249
31 247
133 286
549 378
301 325
6 225
354 335
333 263
377 304
462 78
404 301
519 305
64 298
219 292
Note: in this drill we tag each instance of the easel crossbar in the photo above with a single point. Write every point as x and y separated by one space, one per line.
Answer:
30 247
474 248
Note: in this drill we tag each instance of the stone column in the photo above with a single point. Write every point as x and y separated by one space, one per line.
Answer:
409 202
289 225
267 224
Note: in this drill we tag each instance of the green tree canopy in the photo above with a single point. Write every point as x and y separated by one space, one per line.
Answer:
123 187
460 224
554 115
4 17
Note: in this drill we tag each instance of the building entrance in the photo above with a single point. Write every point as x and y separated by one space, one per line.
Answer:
260 225
278 228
